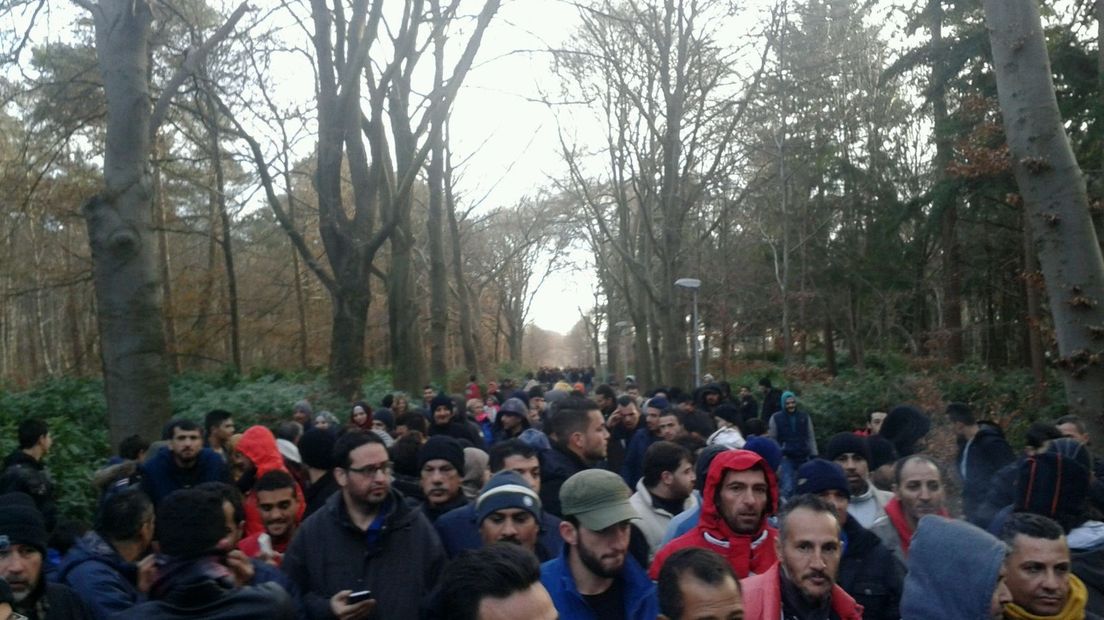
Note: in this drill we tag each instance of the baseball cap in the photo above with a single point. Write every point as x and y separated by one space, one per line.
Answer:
597 498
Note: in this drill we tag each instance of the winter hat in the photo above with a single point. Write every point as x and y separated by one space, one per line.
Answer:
727 412
903 427
818 475
785 395
305 407
21 523
766 448
444 448
521 395
289 450
476 464
881 451
1052 485
843 443
513 406
535 439
658 403
316 448
507 489
386 416
440 400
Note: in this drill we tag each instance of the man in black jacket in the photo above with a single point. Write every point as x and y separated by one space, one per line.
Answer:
579 435
982 451
868 571
24 471
365 538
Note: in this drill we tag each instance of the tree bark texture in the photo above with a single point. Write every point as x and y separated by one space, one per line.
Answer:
1055 200
438 276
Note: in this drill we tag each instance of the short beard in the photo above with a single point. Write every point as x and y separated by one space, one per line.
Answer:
594 564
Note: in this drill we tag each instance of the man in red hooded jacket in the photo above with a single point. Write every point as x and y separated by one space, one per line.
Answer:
258 446
740 493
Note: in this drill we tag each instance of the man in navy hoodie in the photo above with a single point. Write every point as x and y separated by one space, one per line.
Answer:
185 463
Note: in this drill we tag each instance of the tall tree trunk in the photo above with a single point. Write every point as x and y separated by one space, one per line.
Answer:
1032 286
463 294
438 278
408 359
132 338
1055 199
214 134
160 217
946 202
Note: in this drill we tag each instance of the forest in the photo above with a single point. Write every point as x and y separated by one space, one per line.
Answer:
850 180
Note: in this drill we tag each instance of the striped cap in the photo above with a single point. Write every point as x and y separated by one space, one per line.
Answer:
507 489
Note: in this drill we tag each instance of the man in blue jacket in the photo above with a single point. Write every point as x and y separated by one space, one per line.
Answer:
103 568
185 463
595 577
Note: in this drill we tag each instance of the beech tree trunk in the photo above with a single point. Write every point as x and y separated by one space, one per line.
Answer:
438 277
1055 200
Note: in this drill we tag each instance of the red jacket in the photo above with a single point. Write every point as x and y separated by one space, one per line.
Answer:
259 445
762 596
747 554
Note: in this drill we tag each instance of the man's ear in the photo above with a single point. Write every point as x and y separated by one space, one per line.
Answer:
341 476
568 533
666 477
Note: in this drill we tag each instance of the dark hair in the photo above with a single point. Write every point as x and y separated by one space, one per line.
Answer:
183 424
808 501
190 522
274 481
30 430
350 441
624 400
290 430
387 401
754 426
131 446
960 412
228 493
704 565
122 514
495 571
663 456
404 455
413 421
570 415
215 417
505 449
765 382
536 392
1071 419
1041 432
1031 525
902 462
606 391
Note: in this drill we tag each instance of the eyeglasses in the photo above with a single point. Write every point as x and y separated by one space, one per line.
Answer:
370 471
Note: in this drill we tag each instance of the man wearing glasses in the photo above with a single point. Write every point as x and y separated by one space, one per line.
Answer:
365 539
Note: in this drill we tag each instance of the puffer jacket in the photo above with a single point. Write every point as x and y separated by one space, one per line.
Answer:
747 554
100 576
259 445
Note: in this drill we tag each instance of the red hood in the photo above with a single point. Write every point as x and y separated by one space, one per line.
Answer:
259 444
734 460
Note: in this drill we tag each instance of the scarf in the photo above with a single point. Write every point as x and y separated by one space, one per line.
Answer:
896 513
178 573
795 605
1074 609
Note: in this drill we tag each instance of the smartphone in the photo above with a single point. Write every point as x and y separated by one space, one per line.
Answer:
264 542
359 597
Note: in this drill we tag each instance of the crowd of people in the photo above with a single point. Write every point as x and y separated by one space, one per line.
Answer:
553 499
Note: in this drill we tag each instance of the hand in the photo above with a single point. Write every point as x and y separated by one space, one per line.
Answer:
339 605
147 573
614 419
273 558
241 567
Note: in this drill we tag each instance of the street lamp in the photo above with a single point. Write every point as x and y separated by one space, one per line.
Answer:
693 284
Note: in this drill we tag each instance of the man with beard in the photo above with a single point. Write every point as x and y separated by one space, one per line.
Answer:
508 510
622 426
108 567
641 439
740 493
22 554
185 463
1039 572
665 490
917 491
802 585
793 430
594 577
867 570
852 453
578 433
278 505
441 471
364 538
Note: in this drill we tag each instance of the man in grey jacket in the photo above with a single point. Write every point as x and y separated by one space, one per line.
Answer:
364 538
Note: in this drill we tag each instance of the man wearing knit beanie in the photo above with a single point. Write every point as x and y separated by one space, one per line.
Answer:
868 571
441 471
22 554
852 453
508 510
316 448
444 421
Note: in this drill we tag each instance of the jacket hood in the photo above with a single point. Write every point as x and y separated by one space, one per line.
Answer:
953 569
782 400
91 547
259 444
734 460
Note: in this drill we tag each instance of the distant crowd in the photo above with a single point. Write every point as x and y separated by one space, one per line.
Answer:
559 498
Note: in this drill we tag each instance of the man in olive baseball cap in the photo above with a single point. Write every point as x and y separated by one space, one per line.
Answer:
594 576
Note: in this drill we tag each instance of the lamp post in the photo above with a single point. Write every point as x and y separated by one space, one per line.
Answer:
693 284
